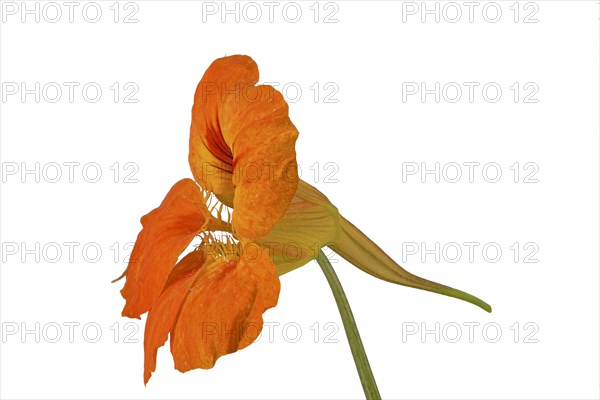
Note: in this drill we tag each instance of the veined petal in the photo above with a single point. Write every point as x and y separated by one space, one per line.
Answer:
167 231
310 223
242 145
223 309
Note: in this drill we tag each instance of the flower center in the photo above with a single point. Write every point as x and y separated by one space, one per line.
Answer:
220 245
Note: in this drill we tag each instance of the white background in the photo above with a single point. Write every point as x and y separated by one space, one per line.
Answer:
547 311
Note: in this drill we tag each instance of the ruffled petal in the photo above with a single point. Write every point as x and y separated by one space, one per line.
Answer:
211 159
265 172
223 309
242 145
167 231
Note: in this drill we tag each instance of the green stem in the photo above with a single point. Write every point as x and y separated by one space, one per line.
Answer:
358 351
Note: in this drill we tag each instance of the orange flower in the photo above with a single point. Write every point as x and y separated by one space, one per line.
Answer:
241 151
212 301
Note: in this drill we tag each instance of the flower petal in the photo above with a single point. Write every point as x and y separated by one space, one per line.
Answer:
211 159
242 142
164 312
223 309
167 231
265 170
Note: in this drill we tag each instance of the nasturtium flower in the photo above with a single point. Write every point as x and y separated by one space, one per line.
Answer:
242 152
